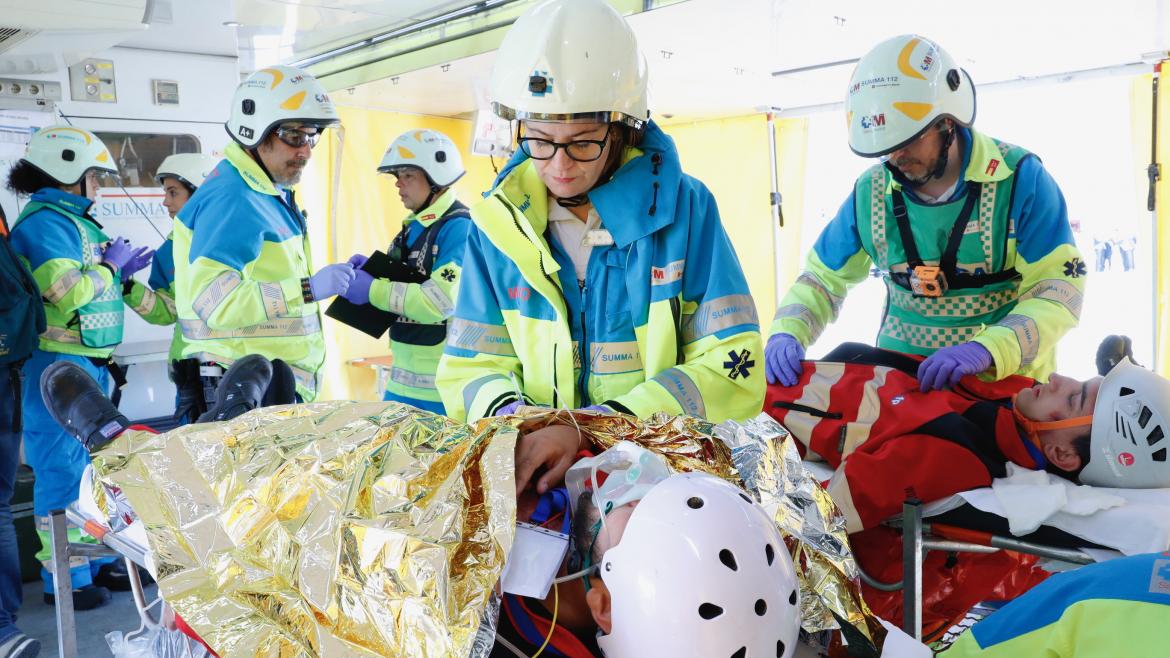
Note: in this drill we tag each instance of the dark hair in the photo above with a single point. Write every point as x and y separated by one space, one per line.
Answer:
178 179
621 137
584 530
1081 446
25 179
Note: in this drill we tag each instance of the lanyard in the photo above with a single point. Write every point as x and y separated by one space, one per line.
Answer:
950 255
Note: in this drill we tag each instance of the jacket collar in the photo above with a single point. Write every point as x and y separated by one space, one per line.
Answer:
250 170
636 202
72 203
433 212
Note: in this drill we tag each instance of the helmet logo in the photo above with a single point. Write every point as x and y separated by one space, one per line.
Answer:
872 121
540 83
104 156
405 152
245 132
277 76
295 80
916 111
1125 459
321 98
904 64
293 102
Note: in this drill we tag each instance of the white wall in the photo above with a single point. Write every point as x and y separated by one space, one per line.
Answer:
206 84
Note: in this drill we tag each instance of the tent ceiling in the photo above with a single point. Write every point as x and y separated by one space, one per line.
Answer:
706 57
714 57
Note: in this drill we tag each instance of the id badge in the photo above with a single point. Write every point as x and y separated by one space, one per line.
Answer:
536 557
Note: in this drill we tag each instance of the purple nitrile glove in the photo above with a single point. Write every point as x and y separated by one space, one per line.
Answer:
357 261
331 280
117 253
142 257
509 409
599 408
946 367
359 289
782 357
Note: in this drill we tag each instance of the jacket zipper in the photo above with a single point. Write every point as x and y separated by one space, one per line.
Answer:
584 348
547 276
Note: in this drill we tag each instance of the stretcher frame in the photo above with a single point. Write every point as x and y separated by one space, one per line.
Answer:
111 545
919 537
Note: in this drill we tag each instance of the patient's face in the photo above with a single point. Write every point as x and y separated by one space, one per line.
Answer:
1061 398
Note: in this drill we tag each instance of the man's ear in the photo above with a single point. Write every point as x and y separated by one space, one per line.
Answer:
1060 453
599 605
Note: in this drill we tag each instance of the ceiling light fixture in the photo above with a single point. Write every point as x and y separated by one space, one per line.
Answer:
464 12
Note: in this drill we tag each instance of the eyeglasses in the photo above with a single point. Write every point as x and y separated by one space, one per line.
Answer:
581 150
297 138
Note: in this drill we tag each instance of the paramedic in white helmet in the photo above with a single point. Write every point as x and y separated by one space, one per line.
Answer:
971 233
179 175
598 274
427 256
244 278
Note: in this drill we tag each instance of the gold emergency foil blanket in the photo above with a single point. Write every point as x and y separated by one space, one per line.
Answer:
760 456
766 457
326 529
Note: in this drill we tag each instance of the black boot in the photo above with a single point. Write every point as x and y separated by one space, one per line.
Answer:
1111 351
80 406
85 598
241 389
283 387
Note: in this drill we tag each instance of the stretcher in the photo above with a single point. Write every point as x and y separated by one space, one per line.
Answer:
129 542
971 522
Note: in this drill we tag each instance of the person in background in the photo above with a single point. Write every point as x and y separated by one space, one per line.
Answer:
22 312
427 256
244 281
972 234
179 175
80 273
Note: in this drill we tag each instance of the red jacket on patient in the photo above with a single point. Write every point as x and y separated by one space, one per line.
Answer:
860 410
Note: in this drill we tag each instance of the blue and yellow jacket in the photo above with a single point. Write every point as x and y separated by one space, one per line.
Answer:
664 321
1105 610
1019 239
240 253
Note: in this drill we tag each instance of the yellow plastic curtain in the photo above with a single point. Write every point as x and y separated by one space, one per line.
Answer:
1142 124
368 216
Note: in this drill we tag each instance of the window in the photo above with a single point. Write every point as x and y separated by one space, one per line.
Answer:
138 155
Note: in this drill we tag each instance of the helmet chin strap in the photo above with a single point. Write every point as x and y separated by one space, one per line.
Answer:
1033 428
575 201
940 164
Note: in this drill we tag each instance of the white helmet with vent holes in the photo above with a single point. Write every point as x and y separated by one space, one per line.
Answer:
1131 421
700 570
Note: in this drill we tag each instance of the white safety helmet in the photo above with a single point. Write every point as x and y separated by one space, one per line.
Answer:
1131 430
567 60
65 153
430 151
276 95
900 88
701 570
189 168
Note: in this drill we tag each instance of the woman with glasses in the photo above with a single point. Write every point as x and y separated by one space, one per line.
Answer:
598 274
244 281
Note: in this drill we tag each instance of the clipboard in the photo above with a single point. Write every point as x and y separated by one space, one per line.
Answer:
365 317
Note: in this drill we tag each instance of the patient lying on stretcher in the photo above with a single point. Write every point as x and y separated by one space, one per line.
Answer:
860 409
